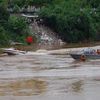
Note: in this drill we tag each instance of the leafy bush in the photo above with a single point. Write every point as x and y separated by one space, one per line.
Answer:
16 9
73 22
4 41
17 29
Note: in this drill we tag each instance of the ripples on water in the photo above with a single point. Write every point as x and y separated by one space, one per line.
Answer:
46 76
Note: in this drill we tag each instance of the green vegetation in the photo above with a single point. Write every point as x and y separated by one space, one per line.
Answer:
73 20
36 3
11 28
16 9
3 37
4 16
17 29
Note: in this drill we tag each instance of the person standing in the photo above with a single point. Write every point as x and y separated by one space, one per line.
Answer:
29 40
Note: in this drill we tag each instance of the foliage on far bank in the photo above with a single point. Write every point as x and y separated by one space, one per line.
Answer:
11 28
17 29
3 37
4 16
74 21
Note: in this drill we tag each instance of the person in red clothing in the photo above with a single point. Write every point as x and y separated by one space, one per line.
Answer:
29 40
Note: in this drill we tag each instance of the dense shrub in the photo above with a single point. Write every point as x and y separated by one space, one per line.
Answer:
73 22
4 41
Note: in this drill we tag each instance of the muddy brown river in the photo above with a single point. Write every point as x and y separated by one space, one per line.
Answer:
49 75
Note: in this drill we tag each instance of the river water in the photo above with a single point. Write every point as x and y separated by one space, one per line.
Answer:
48 75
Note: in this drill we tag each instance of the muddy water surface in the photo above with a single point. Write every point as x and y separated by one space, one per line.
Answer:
48 76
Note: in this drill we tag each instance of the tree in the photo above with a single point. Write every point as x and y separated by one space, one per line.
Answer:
16 9
3 38
4 15
18 28
71 20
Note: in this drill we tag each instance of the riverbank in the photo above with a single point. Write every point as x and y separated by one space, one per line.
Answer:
34 47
